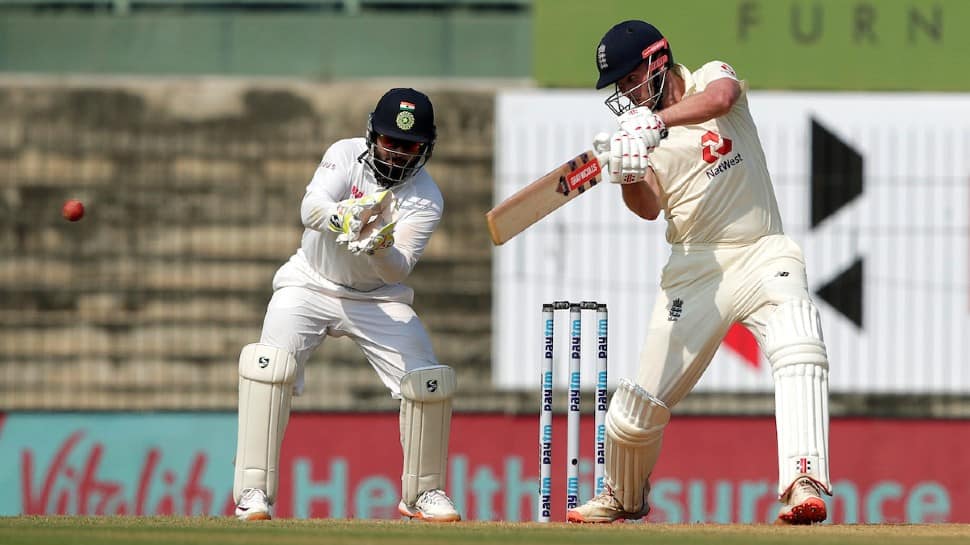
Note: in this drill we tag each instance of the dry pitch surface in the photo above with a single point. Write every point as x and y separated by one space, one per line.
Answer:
218 531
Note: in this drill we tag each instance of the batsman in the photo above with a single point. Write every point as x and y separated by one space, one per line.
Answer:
368 213
730 262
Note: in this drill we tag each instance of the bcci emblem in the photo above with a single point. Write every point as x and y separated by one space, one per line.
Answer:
405 120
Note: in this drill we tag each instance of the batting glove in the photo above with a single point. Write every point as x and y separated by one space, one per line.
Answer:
628 158
352 215
645 124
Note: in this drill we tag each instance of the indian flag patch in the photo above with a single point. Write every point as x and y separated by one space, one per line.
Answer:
407 106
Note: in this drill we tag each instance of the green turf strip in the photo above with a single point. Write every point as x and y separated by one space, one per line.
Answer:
218 531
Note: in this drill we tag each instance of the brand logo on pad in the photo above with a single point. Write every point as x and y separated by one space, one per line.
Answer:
263 362
431 385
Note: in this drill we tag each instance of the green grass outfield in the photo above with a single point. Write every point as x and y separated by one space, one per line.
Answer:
217 531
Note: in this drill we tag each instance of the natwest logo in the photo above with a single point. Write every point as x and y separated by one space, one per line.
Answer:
714 146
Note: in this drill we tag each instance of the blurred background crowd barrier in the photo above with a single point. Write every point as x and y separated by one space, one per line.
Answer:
145 303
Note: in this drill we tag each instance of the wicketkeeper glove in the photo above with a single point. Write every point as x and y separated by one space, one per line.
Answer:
353 215
373 239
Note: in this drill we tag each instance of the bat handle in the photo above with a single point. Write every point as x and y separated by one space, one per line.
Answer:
601 146
604 159
601 143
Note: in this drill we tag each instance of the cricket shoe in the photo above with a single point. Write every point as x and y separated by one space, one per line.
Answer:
803 504
253 505
604 508
431 506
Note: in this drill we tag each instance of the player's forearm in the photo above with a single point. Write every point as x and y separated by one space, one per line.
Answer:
641 200
711 103
394 264
315 211
391 264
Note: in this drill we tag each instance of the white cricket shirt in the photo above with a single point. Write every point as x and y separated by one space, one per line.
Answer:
323 264
714 181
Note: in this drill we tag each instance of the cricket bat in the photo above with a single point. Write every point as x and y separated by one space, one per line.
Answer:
540 198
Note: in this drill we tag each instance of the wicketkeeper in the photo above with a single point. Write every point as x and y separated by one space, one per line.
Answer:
369 212
730 263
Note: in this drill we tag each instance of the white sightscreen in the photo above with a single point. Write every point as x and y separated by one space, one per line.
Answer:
909 227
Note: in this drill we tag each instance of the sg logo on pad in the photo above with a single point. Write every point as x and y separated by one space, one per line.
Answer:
263 362
431 385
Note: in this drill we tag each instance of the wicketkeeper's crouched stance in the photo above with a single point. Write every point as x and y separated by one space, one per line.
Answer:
369 211
730 263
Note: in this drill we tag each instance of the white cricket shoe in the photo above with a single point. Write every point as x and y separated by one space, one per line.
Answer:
253 505
604 508
431 506
803 504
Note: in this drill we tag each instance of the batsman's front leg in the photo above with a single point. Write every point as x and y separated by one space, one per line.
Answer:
634 433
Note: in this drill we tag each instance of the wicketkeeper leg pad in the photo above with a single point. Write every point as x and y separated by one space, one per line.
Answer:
800 366
634 431
266 375
425 425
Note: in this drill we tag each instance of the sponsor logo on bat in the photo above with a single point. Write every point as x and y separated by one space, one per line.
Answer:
579 176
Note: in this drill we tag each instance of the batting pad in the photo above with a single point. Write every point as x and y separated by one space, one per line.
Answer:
425 425
800 366
266 377
634 431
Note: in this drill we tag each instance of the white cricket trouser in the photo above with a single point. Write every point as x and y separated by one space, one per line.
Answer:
389 333
704 290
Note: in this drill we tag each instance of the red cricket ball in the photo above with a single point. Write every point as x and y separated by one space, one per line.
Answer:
73 210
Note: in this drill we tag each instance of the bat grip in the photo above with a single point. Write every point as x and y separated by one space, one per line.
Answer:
601 146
